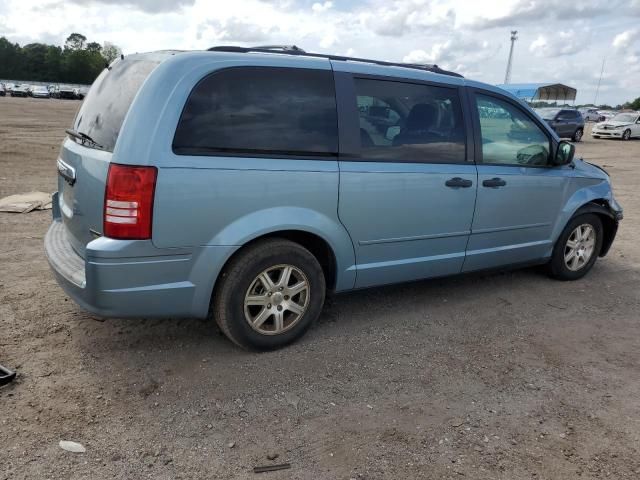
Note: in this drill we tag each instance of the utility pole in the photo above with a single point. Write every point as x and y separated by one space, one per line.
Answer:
595 100
514 37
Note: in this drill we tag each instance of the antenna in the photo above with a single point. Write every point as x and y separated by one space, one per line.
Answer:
514 37
595 100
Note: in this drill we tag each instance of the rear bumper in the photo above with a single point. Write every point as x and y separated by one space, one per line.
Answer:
128 279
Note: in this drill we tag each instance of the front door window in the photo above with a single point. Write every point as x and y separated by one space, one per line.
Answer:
509 136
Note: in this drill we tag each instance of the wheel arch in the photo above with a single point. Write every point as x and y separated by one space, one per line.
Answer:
317 245
602 209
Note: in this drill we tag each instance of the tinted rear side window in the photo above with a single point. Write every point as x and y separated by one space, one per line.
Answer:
406 122
104 108
260 110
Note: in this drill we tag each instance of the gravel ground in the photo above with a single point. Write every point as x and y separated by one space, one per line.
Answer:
501 376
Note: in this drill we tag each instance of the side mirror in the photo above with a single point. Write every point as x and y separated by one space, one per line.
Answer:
565 153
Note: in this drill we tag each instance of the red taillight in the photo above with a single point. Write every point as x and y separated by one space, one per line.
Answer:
128 202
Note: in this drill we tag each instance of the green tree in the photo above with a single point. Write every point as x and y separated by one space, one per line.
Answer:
75 41
635 104
94 47
77 62
33 59
110 52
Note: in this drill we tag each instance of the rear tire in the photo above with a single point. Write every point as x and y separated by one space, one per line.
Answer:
577 248
577 136
256 307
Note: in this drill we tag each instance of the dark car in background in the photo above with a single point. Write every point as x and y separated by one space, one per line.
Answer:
567 123
64 91
3 90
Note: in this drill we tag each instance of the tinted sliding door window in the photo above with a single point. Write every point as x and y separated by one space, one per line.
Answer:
509 136
260 110
407 122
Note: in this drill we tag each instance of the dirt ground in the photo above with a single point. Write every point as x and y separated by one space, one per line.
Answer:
502 376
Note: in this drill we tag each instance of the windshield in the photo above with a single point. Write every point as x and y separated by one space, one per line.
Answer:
548 113
625 117
107 103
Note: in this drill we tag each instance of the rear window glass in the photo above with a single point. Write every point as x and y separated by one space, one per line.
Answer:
107 103
261 110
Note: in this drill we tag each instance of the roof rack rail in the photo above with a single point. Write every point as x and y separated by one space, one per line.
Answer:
289 49
295 50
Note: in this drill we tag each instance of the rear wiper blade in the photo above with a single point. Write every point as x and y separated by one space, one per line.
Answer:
83 137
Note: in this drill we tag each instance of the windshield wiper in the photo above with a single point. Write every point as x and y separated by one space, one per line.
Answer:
83 137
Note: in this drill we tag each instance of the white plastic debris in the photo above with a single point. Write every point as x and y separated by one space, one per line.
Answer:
26 202
74 447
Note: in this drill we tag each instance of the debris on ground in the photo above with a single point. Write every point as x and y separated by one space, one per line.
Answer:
271 468
292 399
74 447
272 456
26 202
6 375
457 422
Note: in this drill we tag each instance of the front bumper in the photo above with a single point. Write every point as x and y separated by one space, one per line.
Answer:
132 278
607 133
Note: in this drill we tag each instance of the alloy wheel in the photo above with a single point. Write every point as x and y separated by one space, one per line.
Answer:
277 299
579 247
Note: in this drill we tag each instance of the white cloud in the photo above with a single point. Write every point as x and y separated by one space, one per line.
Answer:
438 52
321 7
151 6
626 39
404 16
521 12
453 53
235 29
556 45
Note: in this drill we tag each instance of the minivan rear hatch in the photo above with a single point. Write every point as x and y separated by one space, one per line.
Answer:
87 152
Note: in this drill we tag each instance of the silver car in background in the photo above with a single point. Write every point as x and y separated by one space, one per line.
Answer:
591 115
40 91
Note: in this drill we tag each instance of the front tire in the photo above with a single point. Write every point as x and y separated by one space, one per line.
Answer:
577 248
269 294
577 136
626 135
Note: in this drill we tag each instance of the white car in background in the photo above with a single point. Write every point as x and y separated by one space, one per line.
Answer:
607 114
623 126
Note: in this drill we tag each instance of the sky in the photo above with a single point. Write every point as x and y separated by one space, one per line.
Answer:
558 40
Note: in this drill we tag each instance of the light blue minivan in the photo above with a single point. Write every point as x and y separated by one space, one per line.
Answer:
245 183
